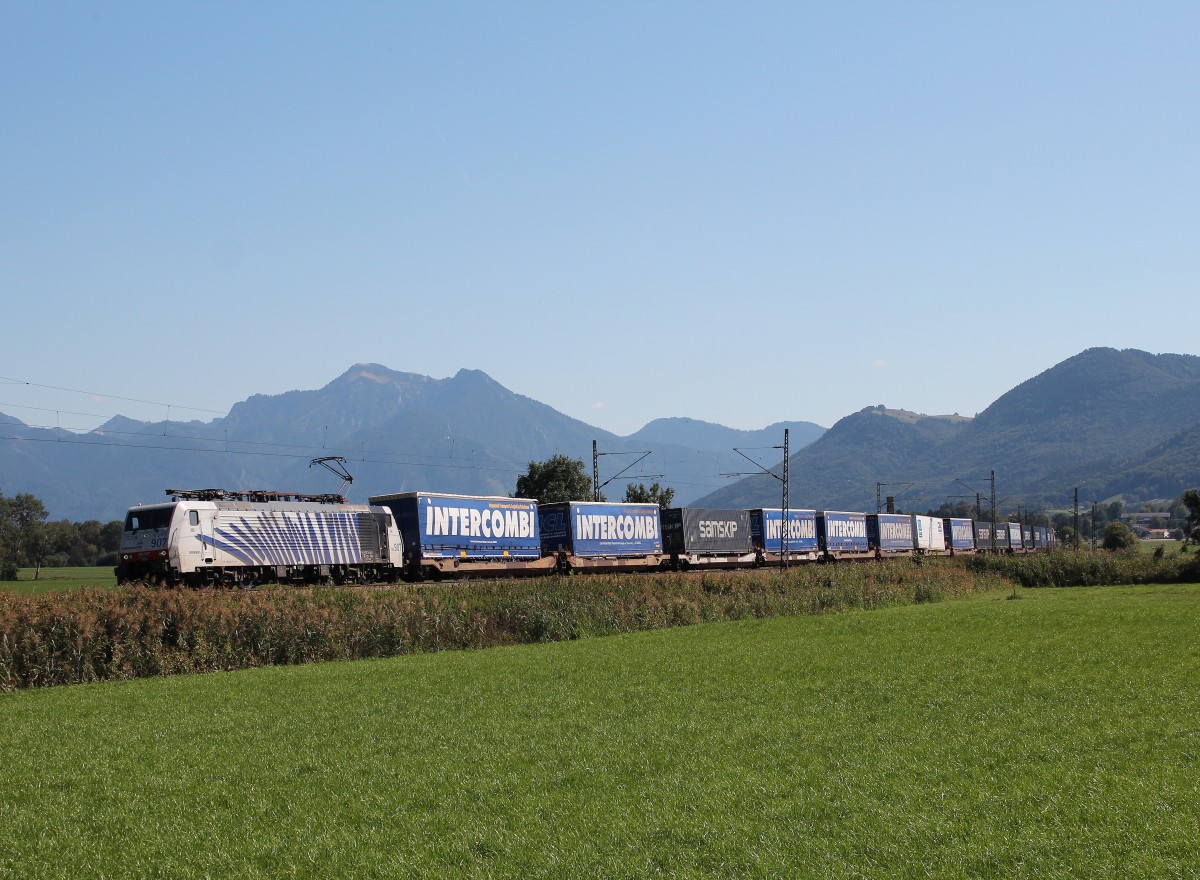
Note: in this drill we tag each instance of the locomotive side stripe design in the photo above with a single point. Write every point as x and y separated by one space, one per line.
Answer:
311 535
230 549
251 541
291 538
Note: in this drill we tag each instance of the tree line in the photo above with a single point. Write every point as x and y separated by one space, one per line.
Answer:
28 540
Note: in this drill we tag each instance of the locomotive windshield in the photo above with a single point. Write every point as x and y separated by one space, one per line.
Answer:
155 518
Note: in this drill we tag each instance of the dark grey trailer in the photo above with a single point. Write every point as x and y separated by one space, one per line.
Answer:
985 540
707 536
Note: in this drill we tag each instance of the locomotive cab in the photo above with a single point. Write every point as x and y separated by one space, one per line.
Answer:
145 543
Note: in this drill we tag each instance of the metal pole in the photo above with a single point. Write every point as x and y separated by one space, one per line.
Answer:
783 532
1075 520
595 472
993 478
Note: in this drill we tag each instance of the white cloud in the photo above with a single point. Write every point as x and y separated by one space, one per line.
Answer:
598 405
880 364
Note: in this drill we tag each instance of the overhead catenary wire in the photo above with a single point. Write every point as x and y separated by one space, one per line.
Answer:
169 406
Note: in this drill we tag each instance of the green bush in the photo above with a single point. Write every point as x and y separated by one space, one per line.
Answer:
1064 568
1118 537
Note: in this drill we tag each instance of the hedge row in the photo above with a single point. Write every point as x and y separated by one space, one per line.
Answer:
1065 568
99 635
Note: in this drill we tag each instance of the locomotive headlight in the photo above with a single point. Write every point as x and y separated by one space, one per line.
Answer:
162 553
125 557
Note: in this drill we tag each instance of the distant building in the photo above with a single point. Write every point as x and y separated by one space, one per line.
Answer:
1145 517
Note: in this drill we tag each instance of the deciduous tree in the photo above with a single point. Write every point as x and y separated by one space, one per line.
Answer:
1191 499
560 478
1119 537
23 538
656 494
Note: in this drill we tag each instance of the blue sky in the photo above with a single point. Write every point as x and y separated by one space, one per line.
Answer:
741 213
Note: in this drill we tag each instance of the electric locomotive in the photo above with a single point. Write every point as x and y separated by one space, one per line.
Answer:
208 537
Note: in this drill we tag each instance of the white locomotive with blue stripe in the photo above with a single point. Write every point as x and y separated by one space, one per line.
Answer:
211 536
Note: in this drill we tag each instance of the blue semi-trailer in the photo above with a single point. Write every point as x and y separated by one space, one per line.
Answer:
766 530
960 535
843 534
601 534
463 534
890 534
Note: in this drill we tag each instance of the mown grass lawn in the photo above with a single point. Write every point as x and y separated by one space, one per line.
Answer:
1054 736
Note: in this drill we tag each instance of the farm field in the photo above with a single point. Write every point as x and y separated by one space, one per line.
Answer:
1152 546
53 579
1054 736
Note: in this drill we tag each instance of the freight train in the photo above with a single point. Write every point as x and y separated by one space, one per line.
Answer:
208 537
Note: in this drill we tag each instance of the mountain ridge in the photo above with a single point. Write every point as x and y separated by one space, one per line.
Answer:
399 431
1086 420
1109 421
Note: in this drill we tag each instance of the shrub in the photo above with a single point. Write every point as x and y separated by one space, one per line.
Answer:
1119 537
1064 568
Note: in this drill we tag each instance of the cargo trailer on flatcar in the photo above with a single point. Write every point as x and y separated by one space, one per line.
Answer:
960 535
929 535
843 535
766 531
890 534
462 535
598 535
710 537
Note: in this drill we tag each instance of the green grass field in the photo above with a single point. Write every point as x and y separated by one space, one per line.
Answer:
1151 546
1055 736
61 579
